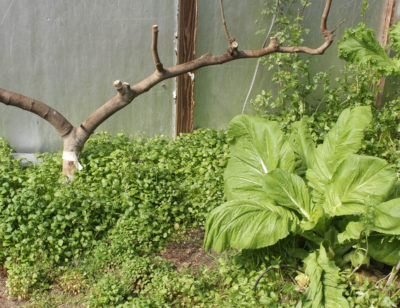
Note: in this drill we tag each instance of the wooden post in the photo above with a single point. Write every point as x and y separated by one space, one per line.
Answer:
383 40
187 31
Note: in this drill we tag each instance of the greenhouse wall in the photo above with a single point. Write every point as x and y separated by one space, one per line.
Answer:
67 53
220 92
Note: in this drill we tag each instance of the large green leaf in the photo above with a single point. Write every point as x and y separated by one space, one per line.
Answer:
359 46
302 142
324 290
288 190
386 217
257 147
247 225
357 182
384 249
343 139
243 181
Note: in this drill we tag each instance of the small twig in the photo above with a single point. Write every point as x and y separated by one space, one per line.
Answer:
324 18
123 89
233 44
273 268
304 7
338 25
223 20
154 51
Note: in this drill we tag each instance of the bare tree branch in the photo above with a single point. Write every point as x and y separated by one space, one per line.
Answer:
324 18
154 50
221 5
61 124
233 44
120 101
74 138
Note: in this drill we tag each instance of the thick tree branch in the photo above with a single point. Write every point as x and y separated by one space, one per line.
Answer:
154 50
61 124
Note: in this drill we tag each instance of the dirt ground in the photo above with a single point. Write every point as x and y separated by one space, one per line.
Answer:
189 253
5 302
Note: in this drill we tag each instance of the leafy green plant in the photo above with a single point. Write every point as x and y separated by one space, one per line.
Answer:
360 46
335 199
297 90
133 195
292 83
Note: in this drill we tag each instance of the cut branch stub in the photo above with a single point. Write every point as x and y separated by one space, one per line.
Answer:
233 47
233 44
118 85
154 50
123 89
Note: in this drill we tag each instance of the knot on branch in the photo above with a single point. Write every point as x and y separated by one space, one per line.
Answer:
328 35
123 88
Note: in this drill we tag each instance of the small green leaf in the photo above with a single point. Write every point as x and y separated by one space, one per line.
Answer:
352 232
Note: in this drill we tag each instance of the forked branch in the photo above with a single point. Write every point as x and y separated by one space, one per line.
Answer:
75 137
113 105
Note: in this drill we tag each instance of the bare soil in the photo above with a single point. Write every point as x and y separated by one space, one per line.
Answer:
6 302
189 252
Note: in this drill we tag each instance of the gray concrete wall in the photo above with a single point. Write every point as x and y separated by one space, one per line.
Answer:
67 53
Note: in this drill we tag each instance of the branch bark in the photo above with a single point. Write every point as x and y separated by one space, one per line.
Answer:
233 44
74 138
61 124
154 51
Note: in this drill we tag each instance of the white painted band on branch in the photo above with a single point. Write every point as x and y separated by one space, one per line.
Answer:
71 156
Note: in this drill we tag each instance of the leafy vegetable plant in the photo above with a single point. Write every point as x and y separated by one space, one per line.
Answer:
360 46
343 204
